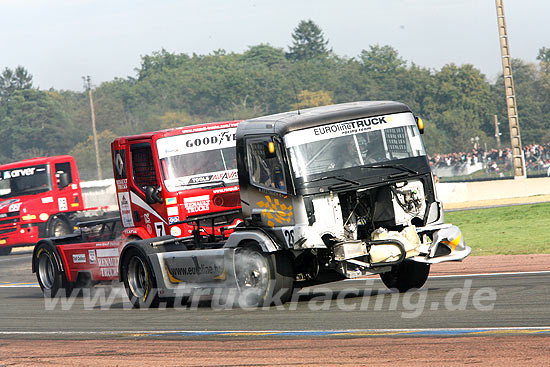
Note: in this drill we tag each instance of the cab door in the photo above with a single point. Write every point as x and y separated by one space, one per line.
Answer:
146 194
268 200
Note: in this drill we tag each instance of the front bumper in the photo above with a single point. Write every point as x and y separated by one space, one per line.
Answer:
447 245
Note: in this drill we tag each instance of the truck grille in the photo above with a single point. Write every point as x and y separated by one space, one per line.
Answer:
9 218
9 230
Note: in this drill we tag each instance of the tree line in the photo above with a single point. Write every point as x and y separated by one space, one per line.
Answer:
457 102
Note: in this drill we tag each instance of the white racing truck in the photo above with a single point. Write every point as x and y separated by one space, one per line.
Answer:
327 193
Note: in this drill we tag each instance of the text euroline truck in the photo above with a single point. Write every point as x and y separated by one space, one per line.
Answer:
327 194
181 182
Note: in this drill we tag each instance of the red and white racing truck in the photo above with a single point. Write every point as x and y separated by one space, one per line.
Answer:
39 198
181 182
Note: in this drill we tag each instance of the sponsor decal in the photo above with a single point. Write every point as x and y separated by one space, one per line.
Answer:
74 205
147 218
14 207
74 186
9 202
47 200
218 176
107 261
196 142
175 231
339 129
119 164
109 272
197 204
226 189
171 201
275 212
122 184
107 252
62 204
171 211
29 171
91 256
3 242
125 209
149 229
79 258
173 219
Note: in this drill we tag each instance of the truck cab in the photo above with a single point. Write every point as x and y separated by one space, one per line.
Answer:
348 187
38 199
177 182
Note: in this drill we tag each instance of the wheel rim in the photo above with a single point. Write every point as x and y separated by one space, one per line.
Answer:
252 271
46 270
138 278
59 229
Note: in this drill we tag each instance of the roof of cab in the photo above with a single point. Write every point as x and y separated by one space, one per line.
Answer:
285 122
37 161
181 130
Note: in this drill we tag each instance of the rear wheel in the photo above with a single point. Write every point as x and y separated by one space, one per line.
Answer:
58 227
263 279
138 280
48 272
5 251
406 275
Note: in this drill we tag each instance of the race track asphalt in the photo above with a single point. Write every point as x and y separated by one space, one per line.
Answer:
354 306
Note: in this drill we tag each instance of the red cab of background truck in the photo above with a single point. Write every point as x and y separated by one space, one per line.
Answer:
38 198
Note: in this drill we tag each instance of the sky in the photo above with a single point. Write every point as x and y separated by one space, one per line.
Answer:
60 41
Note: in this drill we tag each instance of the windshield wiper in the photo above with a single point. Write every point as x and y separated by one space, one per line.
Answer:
206 184
398 166
340 178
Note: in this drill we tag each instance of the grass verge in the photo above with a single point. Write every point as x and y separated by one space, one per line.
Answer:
511 230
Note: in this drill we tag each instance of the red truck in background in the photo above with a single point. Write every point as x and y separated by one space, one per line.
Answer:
39 198
181 182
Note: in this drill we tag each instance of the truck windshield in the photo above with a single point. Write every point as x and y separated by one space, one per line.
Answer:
199 159
24 181
361 142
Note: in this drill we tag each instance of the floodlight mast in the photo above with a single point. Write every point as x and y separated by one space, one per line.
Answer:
513 121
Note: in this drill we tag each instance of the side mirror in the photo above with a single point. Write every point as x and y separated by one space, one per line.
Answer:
152 195
63 180
420 124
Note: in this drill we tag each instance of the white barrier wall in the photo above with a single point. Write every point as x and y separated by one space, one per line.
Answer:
492 190
99 193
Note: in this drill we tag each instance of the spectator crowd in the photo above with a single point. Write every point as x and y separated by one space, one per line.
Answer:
496 161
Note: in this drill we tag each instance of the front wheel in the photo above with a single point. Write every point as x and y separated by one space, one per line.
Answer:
406 275
263 279
138 280
59 227
48 272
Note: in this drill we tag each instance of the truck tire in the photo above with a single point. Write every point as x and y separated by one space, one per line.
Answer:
50 277
406 275
58 227
138 279
5 251
263 279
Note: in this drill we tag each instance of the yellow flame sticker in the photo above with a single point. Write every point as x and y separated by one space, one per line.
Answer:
275 211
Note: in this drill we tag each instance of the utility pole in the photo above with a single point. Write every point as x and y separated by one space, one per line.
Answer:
497 132
88 86
513 122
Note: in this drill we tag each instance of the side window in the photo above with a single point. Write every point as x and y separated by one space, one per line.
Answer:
63 174
265 164
143 167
